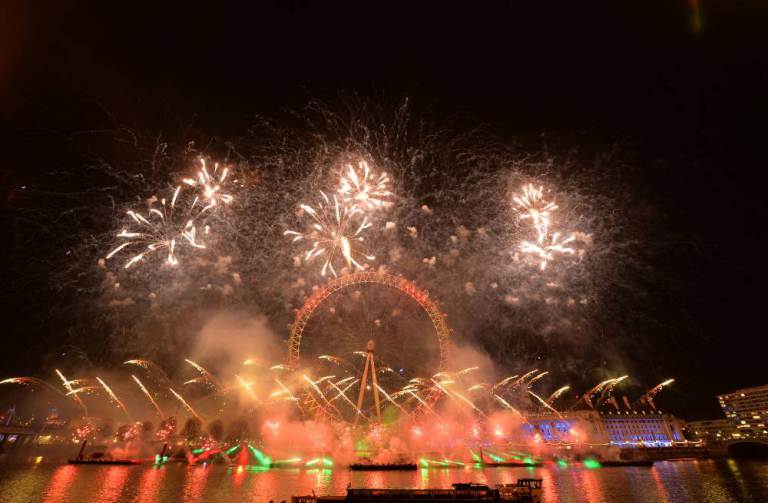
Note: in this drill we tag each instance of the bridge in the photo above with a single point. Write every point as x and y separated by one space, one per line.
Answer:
747 447
13 437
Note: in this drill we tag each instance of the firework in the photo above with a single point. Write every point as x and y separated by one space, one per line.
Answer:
596 389
145 364
469 402
335 235
507 405
149 396
113 397
467 371
68 386
75 392
162 230
556 394
504 381
186 405
345 380
415 395
544 403
247 387
520 380
343 392
532 206
548 248
315 387
539 376
30 381
362 187
208 377
648 396
210 185
284 390
330 358
388 397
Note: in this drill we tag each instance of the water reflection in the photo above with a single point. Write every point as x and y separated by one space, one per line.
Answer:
195 483
112 483
62 479
150 484
668 482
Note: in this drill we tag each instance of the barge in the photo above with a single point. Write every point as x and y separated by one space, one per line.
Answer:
371 467
523 490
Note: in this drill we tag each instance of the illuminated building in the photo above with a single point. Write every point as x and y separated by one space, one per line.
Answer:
641 429
621 429
711 430
747 410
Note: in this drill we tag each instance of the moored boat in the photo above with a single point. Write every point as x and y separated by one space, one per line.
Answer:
382 466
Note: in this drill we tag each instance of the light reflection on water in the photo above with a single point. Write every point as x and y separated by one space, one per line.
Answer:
683 481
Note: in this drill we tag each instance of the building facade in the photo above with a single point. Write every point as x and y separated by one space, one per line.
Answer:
747 410
620 429
711 430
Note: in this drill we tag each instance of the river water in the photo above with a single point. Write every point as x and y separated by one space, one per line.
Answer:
714 481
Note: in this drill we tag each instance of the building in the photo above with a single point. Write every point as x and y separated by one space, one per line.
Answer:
642 429
620 429
711 430
747 410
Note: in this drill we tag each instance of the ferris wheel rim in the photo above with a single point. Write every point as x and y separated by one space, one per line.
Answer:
405 286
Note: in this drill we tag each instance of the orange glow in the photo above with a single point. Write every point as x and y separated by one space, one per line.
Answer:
197 477
61 481
113 483
660 489
150 484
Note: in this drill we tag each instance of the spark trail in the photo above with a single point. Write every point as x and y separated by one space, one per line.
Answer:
114 398
149 397
68 386
186 405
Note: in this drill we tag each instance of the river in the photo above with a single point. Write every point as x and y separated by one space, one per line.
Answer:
713 481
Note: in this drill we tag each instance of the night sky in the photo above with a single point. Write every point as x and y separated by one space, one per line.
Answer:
681 86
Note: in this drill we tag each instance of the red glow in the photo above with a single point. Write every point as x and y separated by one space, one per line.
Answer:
195 487
61 481
112 483
150 484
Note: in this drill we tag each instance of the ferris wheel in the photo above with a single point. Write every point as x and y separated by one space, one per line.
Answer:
379 330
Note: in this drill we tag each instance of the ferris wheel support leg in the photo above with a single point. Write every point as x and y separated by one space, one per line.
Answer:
375 387
360 395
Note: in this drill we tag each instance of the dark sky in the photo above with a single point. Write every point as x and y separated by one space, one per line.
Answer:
683 81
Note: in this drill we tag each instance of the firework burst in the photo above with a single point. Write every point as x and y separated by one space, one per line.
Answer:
335 234
162 230
362 187
211 185
532 206
546 250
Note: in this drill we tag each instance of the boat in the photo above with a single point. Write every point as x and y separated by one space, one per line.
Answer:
90 460
635 462
522 490
370 467
513 464
99 458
